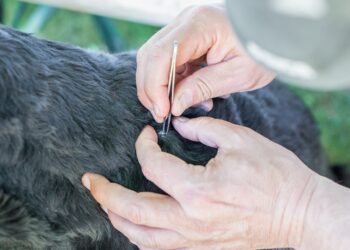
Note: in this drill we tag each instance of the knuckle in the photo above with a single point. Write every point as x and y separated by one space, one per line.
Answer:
198 201
245 131
235 135
242 163
140 55
148 162
204 228
203 87
242 133
239 138
156 52
136 214
197 196
204 122
196 18
215 123
201 230
149 52
202 11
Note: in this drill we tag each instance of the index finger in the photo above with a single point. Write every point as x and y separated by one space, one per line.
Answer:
149 209
168 172
153 64
211 132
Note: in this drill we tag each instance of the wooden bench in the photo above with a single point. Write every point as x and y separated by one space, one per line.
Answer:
153 12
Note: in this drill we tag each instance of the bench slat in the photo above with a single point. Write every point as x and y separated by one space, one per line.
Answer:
153 12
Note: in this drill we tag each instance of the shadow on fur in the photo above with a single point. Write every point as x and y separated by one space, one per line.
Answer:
65 111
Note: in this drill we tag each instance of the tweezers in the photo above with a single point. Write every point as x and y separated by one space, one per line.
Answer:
171 90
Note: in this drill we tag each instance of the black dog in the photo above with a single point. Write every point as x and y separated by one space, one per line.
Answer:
65 111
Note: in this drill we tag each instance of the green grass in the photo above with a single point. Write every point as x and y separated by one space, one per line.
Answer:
79 28
331 110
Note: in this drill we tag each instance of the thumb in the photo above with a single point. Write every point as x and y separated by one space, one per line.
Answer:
235 75
206 83
209 131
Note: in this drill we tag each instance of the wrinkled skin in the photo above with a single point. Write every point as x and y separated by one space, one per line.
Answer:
65 111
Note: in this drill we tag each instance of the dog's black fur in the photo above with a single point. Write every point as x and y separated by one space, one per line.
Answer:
65 111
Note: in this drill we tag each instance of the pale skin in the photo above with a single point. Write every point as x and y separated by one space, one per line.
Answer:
205 36
254 194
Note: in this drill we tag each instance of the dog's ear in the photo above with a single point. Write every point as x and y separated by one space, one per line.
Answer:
11 141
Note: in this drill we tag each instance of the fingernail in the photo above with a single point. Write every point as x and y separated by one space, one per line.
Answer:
157 117
181 119
154 115
206 105
86 182
104 209
225 96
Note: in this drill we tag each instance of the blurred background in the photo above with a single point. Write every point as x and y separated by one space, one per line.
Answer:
119 25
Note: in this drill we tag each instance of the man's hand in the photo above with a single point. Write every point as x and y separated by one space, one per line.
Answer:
205 36
254 194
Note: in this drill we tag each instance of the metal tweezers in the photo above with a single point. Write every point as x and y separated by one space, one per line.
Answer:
171 89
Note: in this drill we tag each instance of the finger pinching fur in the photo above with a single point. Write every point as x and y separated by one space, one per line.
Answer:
65 111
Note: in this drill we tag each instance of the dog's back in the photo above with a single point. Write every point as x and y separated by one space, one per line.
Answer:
66 111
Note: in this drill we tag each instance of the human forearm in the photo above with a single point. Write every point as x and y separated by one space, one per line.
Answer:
327 224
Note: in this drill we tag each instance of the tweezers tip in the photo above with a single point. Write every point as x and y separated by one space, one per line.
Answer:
162 133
